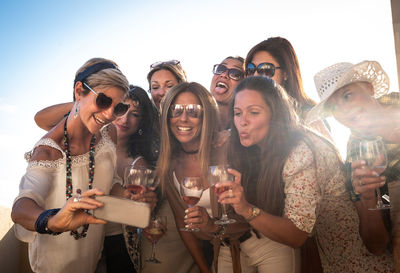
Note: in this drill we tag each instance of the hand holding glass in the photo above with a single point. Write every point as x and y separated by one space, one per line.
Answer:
219 174
191 189
373 152
155 230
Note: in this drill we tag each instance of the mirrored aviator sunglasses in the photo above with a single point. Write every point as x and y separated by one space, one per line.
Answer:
265 69
192 110
104 102
233 73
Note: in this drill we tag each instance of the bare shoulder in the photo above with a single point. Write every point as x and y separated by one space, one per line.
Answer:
141 163
43 152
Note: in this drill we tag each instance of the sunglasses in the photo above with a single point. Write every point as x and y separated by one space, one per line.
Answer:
171 62
266 69
104 102
233 73
192 110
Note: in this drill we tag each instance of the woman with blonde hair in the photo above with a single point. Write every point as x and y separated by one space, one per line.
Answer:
66 168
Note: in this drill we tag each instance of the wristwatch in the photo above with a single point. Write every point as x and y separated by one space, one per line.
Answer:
254 213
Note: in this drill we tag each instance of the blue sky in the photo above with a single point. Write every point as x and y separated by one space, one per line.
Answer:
43 43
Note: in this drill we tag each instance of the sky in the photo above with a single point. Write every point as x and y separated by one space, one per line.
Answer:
43 43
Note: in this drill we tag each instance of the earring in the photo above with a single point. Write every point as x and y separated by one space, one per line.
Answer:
140 131
76 113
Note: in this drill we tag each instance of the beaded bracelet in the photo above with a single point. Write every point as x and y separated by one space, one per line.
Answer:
41 222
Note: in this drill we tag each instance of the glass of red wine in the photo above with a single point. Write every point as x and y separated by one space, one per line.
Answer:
153 232
191 189
217 174
139 180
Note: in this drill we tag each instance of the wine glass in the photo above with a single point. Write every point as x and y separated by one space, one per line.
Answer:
191 189
153 232
138 180
219 173
373 152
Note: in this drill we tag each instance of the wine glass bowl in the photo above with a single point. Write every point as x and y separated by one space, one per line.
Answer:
373 152
191 189
217 174
154 232
138 180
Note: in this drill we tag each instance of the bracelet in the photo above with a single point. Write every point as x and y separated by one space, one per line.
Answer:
254 213
41 222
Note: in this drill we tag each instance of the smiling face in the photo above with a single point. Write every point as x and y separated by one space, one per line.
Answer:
93 117
266 57
354 106
222 86
129 123
186 129
161 82
251 117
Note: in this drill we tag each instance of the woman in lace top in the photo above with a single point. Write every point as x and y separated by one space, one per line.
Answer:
289 184
71 163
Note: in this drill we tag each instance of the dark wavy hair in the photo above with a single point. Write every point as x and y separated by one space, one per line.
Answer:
261 167
283 51
145 141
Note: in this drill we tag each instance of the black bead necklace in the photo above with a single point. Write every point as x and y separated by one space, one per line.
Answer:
77 235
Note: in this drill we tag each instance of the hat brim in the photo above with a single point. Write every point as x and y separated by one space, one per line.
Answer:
366 71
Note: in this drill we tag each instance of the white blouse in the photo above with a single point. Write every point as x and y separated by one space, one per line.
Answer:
45 182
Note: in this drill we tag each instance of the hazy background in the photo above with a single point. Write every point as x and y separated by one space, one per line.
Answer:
43 43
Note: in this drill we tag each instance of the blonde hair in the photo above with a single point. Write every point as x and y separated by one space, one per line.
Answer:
209 128
109 77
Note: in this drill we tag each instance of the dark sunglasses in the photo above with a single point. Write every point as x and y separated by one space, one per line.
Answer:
233 73
171 62
192 110
266 69
104 102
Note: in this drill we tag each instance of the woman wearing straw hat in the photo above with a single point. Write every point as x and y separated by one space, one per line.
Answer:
356 97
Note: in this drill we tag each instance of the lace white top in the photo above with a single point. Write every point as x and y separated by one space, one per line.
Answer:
44 182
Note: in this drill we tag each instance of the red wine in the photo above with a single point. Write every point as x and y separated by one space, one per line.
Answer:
135 188
220 190
190 200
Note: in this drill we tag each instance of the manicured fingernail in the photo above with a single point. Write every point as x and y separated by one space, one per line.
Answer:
186 211
382 183
186 226
185 217
375 173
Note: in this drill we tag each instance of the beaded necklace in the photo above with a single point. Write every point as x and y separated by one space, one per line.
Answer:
77 235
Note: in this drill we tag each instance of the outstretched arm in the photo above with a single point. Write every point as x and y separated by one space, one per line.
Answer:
48 117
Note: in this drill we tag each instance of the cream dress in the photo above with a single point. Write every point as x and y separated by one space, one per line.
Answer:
44 182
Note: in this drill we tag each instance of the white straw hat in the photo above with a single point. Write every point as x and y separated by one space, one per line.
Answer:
334 77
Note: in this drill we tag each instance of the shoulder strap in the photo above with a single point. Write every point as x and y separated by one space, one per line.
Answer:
136 160
48 142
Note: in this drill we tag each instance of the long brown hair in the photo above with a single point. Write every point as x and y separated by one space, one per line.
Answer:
282 50
169 144
261 168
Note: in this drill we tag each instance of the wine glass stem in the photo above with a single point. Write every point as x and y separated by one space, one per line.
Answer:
224 214
379 198
153 250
